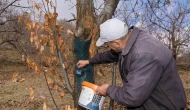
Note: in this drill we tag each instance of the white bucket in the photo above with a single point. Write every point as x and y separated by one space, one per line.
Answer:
88 99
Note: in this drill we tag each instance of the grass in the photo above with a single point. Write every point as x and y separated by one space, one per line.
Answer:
16 95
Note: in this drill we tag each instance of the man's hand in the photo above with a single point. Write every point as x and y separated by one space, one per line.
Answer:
82 63
102 89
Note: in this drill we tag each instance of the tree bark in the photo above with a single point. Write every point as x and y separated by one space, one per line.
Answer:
174 46
87 28
84 27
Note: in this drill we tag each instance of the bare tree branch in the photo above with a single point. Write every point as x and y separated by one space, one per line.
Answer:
20 6
108 11
7 6
70 20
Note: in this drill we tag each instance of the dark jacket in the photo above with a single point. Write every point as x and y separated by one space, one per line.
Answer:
149 74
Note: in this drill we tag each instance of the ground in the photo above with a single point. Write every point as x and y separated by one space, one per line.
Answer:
15 95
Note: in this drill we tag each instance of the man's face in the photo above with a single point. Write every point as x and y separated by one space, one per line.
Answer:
114 45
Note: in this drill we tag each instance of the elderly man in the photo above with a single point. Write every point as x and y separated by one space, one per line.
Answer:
147 68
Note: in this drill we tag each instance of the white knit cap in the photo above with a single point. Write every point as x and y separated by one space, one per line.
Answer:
111 30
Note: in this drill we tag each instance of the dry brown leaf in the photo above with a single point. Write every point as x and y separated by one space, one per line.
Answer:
103 71
51 21
35 38
36 68
32 36
43 39
62 108
39 70
28 61
71 77
46 17
53 71
15 77
32 33
33 25
60 98
62 28
37 25
45 107
43 97
51 49
27 22
41 13
31 39
37 43
99 73
23 59
55 16
33 65
62 49
47 1
28 26
50 82
55 60
168 2
41 49
51 85
67 107
20 18
62 93
69 69
52 46
47 60
69 32
59 40
31 93
59 79
27 14
58 28
21 80
56 88
37 6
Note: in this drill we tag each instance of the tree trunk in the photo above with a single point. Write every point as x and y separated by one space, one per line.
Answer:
174 51
84 27
87 32
174 47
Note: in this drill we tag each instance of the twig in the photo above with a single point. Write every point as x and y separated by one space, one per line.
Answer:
60 85
44 6
20 6
7 7
50 91
71 20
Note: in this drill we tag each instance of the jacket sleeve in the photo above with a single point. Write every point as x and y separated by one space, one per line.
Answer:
105 57
144 74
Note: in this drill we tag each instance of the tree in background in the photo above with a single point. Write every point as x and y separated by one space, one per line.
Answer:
167 20
47 36
11 31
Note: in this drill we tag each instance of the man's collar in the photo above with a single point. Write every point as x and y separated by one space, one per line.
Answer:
131 40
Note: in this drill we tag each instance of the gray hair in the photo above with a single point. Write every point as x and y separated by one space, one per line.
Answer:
123 37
